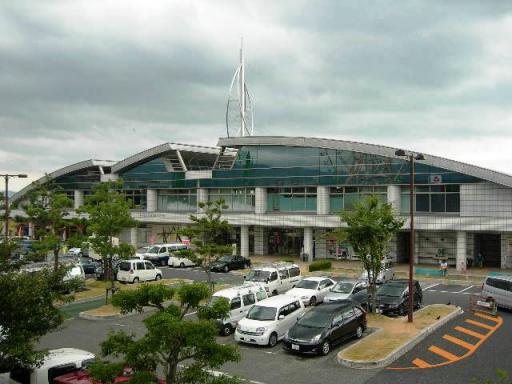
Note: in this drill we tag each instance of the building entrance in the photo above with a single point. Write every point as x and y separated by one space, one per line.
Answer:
488 245
403 239
285 241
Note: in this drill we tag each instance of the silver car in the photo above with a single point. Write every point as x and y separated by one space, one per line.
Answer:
355 290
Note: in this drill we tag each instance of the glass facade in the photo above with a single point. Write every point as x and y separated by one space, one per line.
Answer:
237 199
345 198
176 200
432 199
298 199
137 197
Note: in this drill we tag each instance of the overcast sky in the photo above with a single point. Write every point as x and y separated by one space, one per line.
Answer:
106 79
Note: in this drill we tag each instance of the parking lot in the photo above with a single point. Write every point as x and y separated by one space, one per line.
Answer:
445 356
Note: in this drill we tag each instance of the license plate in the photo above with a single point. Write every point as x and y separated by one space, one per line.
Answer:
295 347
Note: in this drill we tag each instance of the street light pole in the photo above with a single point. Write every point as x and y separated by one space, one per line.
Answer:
6 200
411 157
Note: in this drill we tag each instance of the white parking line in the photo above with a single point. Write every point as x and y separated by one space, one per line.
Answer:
465 289
431 286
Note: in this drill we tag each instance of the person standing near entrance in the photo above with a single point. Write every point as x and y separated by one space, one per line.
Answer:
443 266
479 260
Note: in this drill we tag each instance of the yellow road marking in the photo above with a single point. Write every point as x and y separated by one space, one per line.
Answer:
441 352
421 363
451 358
456 340
479 324
470 332
483 316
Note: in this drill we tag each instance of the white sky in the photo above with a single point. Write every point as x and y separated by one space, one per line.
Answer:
106 79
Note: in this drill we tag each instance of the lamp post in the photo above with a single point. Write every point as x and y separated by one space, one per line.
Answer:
6 198
412 157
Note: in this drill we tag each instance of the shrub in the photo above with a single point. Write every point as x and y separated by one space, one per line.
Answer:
289 260
320 265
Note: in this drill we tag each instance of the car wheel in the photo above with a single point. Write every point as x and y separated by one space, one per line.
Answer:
182 265
326 347
226 269
312 301
227 329
135 280
359 332
162 263
158 277
274 293
272 340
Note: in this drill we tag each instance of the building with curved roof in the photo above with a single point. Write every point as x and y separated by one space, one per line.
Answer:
285 193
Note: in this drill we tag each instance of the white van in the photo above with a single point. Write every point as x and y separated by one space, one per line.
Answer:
58 362
135 270
241 300
500 289
276 278
268 321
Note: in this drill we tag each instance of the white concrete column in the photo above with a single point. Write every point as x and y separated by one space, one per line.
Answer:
133 237
151 200
31 230
308 242
260 200
260 241
202 197
394 197
78 198
461 252
320 244
244 240
506 250
323 204
416 247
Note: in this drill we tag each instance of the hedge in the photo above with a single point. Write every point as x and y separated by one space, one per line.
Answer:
320 265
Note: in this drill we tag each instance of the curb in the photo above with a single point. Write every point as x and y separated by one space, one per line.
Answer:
398 352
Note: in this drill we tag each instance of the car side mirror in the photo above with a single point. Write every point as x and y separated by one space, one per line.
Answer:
281 317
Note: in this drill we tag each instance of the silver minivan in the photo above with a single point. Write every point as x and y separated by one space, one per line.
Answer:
500 289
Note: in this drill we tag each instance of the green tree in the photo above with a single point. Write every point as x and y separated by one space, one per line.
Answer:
370 227
108 214
184 348
47 208
27 312
208 233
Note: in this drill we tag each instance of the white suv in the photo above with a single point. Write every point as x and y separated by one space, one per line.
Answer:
275 278
135 270
269 320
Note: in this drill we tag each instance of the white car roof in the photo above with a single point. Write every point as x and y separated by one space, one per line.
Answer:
234 291
134 261
317 278
65 356
277 301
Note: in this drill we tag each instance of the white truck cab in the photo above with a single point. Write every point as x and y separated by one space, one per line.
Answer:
56 363
241 300
276 278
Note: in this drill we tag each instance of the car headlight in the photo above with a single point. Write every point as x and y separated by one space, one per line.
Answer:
261 329
393 305
238 327
286 334
316 338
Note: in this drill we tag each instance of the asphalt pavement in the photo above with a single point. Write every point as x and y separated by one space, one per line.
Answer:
274 365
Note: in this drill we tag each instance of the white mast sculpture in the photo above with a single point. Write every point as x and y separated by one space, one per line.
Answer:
239 112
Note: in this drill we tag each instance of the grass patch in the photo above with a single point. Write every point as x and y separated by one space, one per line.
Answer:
104 310
393 333
320 265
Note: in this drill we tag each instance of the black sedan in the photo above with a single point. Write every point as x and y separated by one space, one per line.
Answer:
324 326
228 263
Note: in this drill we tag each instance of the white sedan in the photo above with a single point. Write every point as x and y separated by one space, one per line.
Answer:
181 262
312 290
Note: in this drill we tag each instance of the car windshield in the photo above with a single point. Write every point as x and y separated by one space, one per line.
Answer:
315 319
307 284
262 313
257 275
142 250
342 287
153 250
390 290
225 258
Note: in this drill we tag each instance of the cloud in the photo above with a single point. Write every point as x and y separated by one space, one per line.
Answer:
86 79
